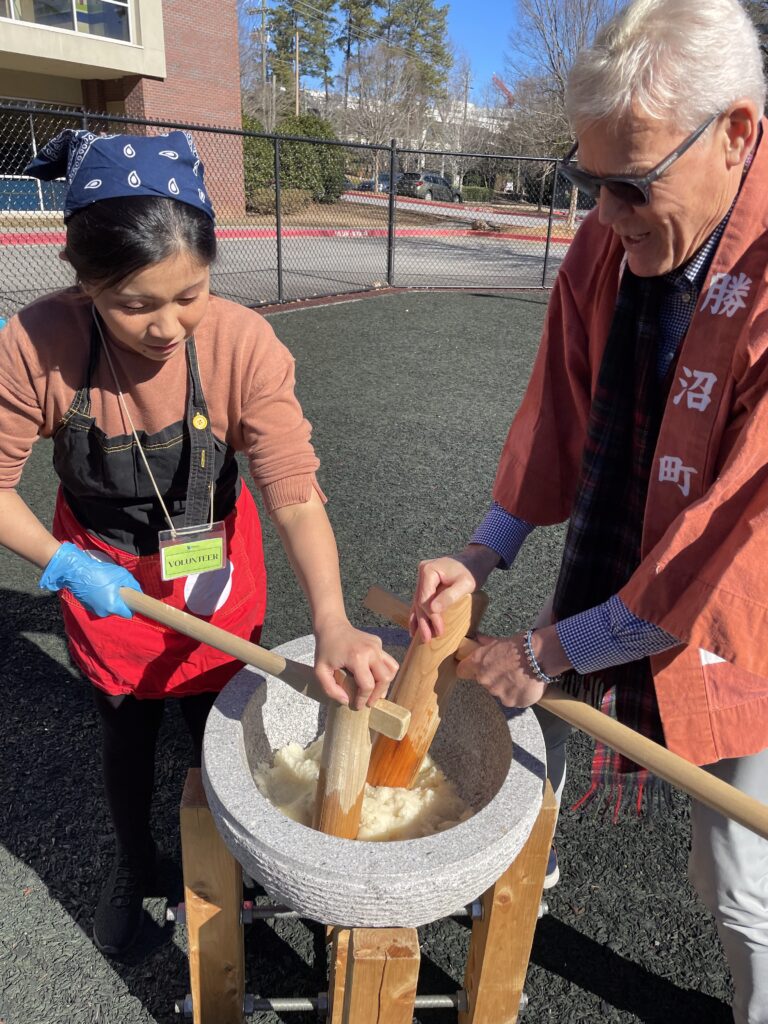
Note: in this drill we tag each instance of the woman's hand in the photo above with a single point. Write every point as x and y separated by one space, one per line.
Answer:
501 666
340 645
442 581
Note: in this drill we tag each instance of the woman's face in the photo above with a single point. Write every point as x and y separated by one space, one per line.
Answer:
155 310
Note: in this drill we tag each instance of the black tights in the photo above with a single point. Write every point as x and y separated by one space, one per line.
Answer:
129 736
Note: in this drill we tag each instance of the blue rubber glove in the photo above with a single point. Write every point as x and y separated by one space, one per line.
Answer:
95 584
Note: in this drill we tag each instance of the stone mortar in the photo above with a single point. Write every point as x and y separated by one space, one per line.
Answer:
495 759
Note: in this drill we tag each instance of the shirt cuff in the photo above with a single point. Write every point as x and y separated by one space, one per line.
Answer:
609 634
503 533
291 490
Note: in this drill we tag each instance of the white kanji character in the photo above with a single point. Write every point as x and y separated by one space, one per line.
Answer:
698 392
727 293
671 469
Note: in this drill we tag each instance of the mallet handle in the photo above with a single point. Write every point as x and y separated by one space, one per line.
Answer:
699 784
386 717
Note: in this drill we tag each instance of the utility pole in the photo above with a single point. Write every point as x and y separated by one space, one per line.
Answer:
264 43
264 97
296 54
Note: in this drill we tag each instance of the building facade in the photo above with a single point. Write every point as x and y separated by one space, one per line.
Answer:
175 60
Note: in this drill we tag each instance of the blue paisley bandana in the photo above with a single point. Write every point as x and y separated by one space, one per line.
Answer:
105 166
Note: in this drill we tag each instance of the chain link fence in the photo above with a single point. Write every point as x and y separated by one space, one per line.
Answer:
301 218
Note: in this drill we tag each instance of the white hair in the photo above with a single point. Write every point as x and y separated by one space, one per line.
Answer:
675 60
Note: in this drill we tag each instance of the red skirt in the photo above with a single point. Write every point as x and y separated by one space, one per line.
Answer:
146 659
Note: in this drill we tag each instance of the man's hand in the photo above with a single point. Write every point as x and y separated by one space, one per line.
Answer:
442 581
340 645
501 666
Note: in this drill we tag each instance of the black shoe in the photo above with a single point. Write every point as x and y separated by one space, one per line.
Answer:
119 912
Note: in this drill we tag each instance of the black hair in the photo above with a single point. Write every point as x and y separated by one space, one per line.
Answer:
113 238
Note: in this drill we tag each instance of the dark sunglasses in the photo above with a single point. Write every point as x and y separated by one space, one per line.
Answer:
633 190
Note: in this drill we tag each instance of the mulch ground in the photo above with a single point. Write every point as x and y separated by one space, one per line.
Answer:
411 396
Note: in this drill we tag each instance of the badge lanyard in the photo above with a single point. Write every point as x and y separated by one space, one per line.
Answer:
185 550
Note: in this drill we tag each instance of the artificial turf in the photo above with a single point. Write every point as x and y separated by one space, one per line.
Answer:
411 396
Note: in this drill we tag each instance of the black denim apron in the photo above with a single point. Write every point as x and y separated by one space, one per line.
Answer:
105 482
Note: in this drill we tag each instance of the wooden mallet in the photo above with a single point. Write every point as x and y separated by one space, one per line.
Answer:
424 686
694 781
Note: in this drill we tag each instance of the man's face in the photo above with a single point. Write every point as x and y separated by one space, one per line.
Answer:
687 202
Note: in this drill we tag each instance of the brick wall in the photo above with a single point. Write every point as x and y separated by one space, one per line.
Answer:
202 85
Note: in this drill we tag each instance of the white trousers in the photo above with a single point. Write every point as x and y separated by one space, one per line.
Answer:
728 867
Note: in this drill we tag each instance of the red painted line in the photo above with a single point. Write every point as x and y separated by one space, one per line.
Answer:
245 234
33 238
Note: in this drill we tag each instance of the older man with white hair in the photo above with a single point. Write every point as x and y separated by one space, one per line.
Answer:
645 423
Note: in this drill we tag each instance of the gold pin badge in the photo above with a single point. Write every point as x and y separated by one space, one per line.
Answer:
199 421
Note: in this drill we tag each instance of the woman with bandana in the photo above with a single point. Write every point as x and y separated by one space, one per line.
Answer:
148 385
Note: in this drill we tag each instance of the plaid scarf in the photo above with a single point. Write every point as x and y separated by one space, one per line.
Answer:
602 547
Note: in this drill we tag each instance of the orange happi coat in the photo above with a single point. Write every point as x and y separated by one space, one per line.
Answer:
704 570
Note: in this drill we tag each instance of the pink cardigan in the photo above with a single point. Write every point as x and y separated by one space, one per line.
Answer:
247 377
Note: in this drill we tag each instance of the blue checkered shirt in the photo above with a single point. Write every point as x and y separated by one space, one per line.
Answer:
609 634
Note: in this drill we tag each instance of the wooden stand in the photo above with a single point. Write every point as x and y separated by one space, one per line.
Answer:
373 971
213 898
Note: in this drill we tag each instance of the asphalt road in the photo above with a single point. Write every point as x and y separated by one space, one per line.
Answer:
246 269
513 217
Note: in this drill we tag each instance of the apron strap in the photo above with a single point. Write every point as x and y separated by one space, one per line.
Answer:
202 452
81 403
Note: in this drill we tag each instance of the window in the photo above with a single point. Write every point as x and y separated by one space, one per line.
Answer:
54 13
106 18
103 18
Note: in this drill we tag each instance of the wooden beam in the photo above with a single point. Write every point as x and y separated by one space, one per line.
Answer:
338 949
382 974
213 897
424 686
501 942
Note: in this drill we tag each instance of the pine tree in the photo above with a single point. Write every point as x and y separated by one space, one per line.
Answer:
420 28
358 21
317 31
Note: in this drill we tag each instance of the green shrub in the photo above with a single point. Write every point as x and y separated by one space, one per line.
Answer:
310 165
258 159
475 194
292 200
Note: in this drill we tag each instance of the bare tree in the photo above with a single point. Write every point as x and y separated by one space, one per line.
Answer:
459 127
758 12
548 36
383 97
543 48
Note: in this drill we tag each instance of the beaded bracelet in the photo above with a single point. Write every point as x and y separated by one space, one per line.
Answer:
535 667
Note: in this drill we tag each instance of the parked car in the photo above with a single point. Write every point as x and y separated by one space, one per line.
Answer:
383 182
427 185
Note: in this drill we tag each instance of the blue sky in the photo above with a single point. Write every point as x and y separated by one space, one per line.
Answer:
481 29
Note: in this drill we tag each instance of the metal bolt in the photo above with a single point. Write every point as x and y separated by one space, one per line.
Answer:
543 909
523 1002
177 914
322 1004
246 913
249 1001
462 1003
183 1007
475 910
